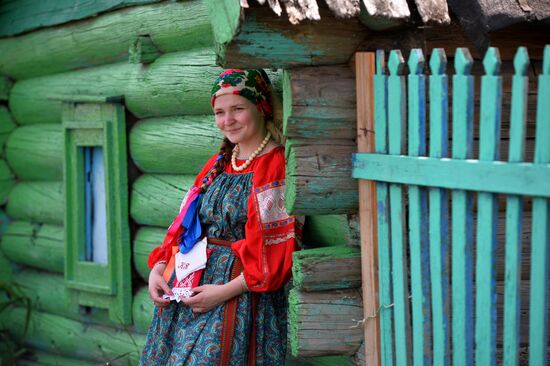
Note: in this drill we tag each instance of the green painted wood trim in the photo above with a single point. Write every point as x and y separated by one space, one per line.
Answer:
514 212
540 252
109 283
142 310
24 16
69 337
156 198
383 219
462 214
172 26
35 245
324 269
5 87
146 239
489 136
396 139
439 212
183 142
418 211
36 152
40 202
498 177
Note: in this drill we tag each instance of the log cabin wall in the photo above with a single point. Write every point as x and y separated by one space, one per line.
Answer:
157 59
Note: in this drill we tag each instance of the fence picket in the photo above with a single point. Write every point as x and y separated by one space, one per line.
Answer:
486 320
514 210
538 309
418 210
384 254
396 129
439 217
462 213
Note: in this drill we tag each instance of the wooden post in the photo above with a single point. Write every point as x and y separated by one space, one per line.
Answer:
364 72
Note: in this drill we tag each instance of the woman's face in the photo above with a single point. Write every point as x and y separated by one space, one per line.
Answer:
239 120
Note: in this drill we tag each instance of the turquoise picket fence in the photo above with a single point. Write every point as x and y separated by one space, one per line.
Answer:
438 206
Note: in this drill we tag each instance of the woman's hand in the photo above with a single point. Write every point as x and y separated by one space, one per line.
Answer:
207 297
158 286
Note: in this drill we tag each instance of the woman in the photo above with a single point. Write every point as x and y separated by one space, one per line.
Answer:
237 315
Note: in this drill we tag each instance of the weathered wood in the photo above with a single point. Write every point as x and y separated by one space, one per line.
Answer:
344 8
7 181
381 15
325 323
67 337
259 39
36 152
143 50
146 239
142 310
40 358
185 143
319 102
105 39
23 16
433 11
46 290
6 270
41 202
324 269
156 198
7 125
318 177
365 66
331 230
176 83
35 245
5 86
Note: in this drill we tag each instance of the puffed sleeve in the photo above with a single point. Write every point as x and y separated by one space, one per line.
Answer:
163 252
271 235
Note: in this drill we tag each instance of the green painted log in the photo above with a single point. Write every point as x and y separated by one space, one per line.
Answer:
255 37
331 230
39 100
185 143
176 83
323 269
143 50
142 310
6 270
325 323
36 152
319 102
147 238
5 86
172 26
29 15
46 290
41 202
318 177
35 245
156 198
7 125
74 339
40 358
7 181
320 361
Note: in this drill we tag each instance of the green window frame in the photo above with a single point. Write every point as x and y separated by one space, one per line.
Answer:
91 285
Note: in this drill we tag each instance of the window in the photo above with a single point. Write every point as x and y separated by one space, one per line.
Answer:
97 262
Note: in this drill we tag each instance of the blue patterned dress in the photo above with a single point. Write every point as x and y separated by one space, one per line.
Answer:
177 336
